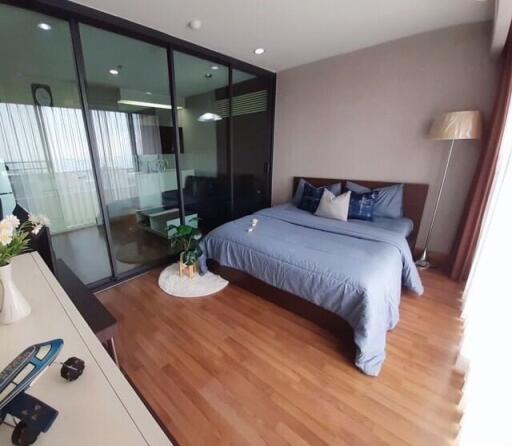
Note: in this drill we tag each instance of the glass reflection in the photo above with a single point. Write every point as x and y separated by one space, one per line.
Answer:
202 96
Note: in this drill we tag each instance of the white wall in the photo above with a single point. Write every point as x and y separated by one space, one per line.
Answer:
365 115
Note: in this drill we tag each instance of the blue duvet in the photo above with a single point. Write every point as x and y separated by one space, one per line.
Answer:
356 271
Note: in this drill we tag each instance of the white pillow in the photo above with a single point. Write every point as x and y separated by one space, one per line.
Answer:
332 206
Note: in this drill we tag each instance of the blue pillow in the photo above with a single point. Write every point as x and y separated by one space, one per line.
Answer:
297 197
311 198
390 201
357 188
362 205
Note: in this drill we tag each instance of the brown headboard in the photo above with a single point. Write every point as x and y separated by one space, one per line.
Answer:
415 196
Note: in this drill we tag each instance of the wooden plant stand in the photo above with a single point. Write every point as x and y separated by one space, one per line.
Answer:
188 270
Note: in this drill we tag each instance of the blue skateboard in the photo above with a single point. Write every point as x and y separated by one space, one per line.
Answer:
31 415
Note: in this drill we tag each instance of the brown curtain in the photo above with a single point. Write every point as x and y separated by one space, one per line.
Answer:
469 231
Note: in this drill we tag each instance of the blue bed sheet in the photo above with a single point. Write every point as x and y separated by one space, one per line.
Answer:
356 271
402 226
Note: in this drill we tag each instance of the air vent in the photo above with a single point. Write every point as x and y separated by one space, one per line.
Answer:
243 104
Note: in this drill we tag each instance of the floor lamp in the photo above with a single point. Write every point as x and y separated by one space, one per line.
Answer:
450 126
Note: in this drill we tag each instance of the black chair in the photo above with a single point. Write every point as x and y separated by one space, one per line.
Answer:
208 197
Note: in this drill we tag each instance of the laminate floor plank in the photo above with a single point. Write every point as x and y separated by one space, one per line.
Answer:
235 369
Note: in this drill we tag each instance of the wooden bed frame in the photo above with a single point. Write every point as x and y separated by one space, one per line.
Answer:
415 196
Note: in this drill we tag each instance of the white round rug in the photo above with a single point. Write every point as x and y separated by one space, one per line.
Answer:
171 282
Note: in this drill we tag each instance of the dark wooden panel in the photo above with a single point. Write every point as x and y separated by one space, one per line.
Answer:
415 196
99 319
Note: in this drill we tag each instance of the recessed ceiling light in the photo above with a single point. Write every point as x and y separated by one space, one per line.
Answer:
195 24
259 51
44 26
113 72
148 92
208 75
214 67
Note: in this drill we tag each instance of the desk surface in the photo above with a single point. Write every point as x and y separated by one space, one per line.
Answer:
101 408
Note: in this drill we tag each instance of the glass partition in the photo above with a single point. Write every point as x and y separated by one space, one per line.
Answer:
112 195
129 97
43 144
203 109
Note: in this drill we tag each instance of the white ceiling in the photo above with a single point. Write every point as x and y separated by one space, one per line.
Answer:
46 56
294 32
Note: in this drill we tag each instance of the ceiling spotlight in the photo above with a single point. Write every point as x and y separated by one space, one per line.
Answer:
214 67
195 24
149 93
44 26
259 51
113 72
208 75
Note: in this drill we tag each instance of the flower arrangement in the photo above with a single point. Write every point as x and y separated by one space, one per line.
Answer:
14 237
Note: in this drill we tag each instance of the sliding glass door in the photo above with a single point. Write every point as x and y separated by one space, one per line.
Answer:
43 143
87 138
127 84
203 112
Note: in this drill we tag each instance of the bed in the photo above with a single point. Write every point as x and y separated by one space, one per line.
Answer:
354 270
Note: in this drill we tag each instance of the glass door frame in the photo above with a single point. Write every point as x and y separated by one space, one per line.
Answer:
118 276
75 14
91 142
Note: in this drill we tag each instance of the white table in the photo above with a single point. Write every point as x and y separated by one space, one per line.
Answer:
98 409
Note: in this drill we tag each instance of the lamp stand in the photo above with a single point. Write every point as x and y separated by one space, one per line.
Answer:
423 262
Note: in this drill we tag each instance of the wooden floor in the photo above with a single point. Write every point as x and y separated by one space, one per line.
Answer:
235 369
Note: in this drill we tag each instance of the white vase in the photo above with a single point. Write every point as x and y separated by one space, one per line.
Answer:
13 306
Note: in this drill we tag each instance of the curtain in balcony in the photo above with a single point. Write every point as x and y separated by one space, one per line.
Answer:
116 155
478 197
50 168
485 353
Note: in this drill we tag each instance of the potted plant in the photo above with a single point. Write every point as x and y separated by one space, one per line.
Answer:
185 239
14 240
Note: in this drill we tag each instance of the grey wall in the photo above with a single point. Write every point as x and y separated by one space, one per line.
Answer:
365 115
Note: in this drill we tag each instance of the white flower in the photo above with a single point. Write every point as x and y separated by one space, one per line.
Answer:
13 221
5 237
39 219
34 219
36 229
6 226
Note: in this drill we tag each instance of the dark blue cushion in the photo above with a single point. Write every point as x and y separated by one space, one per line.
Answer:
389 203
310 198
334 188
362 205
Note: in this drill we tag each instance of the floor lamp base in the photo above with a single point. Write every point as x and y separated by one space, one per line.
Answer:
422 262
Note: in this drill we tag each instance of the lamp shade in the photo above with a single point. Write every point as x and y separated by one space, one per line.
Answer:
457 125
